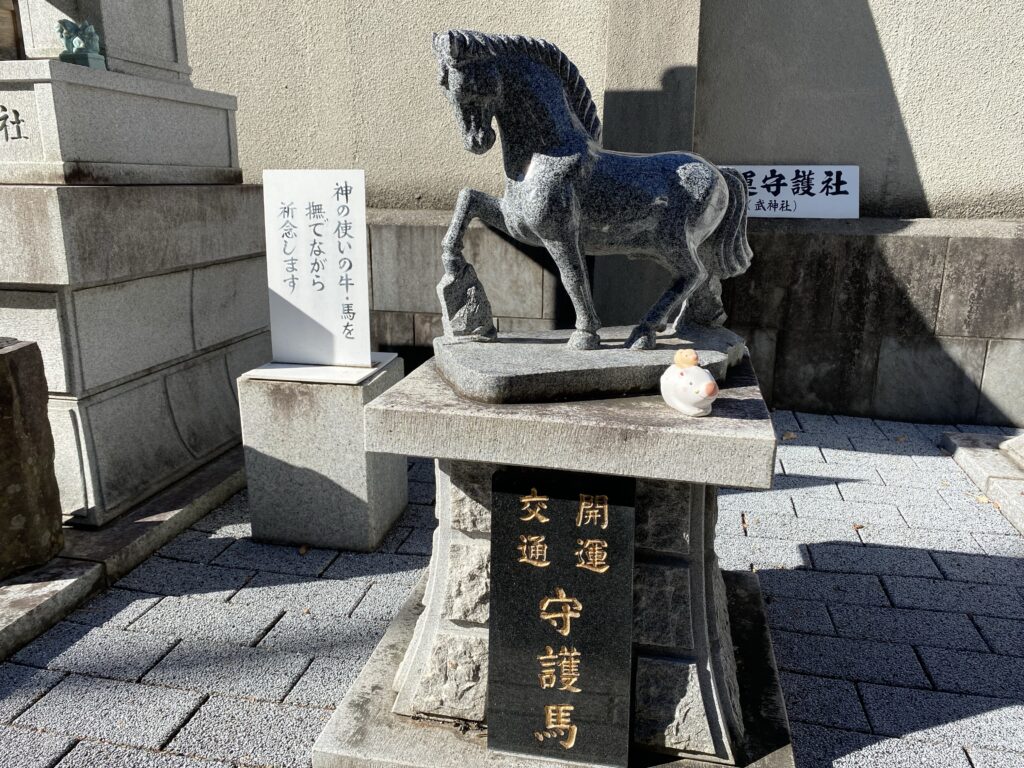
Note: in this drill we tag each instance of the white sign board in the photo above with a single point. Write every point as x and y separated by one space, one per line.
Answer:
802 191
317 267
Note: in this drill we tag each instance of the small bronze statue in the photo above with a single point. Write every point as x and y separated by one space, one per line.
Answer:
567 193
81 44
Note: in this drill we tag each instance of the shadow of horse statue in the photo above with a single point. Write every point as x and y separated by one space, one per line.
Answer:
565 192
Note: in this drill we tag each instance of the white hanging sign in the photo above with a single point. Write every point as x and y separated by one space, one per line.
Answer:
802 191
317 268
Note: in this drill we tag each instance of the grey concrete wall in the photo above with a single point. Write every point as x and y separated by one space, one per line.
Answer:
923 95
340 84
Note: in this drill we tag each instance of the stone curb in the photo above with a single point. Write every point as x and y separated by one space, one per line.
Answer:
995 470
32 602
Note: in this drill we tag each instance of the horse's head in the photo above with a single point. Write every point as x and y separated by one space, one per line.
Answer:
472 83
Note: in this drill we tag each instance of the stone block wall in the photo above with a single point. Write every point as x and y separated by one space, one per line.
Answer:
905 319
405 254
147 303
920 320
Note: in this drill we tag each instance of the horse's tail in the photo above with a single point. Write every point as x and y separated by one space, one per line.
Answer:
726 252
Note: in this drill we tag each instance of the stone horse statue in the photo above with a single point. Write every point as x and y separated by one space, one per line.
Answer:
563 191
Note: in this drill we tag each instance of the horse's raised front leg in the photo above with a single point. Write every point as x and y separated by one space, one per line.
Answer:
569 260
465 309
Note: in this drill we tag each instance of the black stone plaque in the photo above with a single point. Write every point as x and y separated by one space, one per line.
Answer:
560 666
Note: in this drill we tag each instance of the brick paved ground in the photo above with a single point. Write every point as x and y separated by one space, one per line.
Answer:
896 602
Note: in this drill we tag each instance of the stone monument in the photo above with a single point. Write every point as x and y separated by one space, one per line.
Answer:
30 518
139 271
574 609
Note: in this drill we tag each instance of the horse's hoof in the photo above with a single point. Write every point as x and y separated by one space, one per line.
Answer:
584 340
641 339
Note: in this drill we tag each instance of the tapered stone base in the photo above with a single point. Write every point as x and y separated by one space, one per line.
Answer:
365 733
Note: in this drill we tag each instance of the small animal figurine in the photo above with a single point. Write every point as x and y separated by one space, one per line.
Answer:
687 387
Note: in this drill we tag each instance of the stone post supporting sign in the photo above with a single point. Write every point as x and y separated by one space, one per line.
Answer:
30 515
310 479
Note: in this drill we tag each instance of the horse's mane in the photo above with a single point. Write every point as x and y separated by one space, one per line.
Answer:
467 45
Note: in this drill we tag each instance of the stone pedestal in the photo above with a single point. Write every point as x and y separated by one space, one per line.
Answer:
30 519
688 700
310 479
139 269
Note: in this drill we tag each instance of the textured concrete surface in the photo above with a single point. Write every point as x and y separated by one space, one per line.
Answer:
78 103
879 669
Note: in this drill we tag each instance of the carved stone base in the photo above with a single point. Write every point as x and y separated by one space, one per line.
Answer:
365 733
686 701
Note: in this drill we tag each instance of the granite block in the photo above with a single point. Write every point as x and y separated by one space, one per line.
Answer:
229 300
823 701
825 371
799 616
382 601
91 755
832 472
421 493
981 569
982 289
20 687
990 758
418 542
810 530
1001 400
323 634
956 597
114 609
816 422
112 711
854 512
919 538
394 539
344 498
153 322
208 430
1001 545
913 627
951 389
735 445
668 711
193 619
819 747
87 650
973 521
986 674
34 601
785 421
862 660
251 732
655 587
210 667
229 520
30 508
879 560
858 426
253 555
403 569
935 716
1003 635
282 592
195 547
827 587
420 516
324 684
30 749
171 577
885 494
744 552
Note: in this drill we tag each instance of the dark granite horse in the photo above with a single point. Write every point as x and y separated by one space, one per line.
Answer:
563 191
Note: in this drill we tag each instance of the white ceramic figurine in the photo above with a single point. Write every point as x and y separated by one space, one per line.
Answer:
687 387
